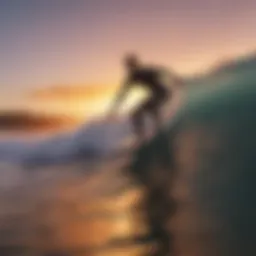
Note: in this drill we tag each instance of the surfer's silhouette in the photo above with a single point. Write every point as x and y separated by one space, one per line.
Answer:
154 79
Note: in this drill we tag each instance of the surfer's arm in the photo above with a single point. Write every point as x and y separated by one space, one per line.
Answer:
121 95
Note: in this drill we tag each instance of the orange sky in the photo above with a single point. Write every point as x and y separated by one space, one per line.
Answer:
51 46
81 101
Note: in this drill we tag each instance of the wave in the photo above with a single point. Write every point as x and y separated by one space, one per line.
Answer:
91 141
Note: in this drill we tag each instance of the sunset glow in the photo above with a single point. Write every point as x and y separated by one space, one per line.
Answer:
65 57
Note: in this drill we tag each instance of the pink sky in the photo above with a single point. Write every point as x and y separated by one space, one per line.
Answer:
77 43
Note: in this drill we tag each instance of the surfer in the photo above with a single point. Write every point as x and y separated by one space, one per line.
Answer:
154 80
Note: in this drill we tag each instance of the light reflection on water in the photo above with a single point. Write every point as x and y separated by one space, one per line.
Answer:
62 210
59 211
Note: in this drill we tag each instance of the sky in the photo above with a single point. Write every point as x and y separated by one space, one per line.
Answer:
50 46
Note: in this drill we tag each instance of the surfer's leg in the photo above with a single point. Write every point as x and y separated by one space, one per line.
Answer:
151 106
138 121
155 110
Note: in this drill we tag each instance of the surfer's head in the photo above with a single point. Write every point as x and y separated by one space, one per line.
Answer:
131 61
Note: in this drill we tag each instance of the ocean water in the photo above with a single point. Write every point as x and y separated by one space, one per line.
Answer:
64 210
68 195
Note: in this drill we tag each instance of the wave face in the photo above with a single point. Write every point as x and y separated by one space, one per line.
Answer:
213 144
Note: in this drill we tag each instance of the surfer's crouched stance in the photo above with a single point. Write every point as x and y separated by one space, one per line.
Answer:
153 80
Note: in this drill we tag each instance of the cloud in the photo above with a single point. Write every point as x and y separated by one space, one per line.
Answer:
72 93
82 101
79 101
30 121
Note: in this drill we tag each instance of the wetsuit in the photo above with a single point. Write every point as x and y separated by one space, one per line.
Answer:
150 79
